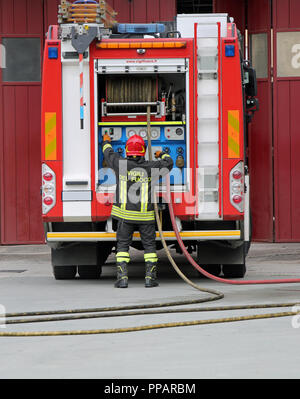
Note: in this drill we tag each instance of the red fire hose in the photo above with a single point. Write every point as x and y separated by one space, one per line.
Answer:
204 272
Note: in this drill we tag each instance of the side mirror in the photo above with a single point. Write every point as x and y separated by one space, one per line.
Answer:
250 80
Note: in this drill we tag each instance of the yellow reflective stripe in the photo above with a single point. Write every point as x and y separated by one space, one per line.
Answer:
121 188
134 218
144 197
130 215
120 259
123 257
133 213
151 257
234 134
106 146
126 254
123 194
50 136
165 155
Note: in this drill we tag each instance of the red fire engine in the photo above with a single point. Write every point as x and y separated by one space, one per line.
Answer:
100 77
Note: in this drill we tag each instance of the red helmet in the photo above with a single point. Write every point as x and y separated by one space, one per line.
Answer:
135 146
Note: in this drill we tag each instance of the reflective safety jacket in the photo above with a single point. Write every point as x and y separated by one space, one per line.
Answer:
135 178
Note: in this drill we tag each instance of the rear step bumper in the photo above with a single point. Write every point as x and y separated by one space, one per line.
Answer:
169 236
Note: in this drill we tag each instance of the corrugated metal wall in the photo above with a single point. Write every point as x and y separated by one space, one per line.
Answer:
144 10
274 30
261 132
20 132
286 120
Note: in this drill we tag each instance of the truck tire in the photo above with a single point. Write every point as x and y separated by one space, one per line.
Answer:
93 272
89 272
64 272
234 271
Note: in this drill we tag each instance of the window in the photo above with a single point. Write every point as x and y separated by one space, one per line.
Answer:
288 54
23 59
259 54
194 6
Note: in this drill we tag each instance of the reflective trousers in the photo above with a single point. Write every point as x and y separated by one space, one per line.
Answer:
124 238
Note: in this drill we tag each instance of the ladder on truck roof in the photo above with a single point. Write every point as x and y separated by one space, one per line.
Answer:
90 11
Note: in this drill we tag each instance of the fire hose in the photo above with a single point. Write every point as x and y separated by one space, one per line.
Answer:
146 309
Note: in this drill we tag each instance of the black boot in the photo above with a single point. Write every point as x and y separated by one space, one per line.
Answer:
150 277
122 275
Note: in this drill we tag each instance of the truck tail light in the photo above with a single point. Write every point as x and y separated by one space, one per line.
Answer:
237 182
237 199
48 189
48 176
48 201
237 175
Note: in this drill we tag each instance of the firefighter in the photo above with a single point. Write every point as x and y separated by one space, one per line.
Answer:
133 208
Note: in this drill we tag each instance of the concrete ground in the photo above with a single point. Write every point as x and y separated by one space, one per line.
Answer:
255 349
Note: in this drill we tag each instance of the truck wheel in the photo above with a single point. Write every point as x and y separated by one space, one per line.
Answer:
215 270
64 272
89 272
234 271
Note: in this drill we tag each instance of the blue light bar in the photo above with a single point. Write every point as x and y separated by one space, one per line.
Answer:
141 28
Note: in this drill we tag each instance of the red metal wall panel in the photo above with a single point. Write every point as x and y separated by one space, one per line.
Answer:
21 17
123 8
235 9
20 203
50 13
286 15
167 10
261 135
153 14
141 11
261 165
21 214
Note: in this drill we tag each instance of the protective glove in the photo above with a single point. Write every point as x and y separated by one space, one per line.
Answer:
158 154
106 137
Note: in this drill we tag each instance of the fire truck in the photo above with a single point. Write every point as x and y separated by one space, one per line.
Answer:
100 77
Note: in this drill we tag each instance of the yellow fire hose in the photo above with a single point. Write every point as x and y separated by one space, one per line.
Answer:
143 309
